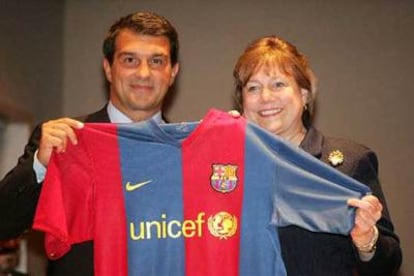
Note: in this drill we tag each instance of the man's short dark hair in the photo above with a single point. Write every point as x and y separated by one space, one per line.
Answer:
146 23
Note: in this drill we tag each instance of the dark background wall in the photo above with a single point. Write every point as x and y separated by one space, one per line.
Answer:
50 65
31 63
31 58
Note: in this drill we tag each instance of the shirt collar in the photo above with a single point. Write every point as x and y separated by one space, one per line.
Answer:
116 116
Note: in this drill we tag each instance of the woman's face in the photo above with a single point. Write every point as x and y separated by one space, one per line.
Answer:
274 101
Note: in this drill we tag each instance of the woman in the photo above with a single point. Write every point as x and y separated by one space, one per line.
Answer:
275 88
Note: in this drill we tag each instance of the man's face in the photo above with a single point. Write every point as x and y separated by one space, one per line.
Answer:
141 74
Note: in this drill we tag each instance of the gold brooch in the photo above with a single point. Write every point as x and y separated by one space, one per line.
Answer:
336 158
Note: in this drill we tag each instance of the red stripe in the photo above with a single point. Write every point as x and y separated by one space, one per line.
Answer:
208 254
110 247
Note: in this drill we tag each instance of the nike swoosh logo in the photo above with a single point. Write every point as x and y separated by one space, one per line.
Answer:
130 187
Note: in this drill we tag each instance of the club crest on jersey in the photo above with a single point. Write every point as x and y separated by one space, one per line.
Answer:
222 225
223 177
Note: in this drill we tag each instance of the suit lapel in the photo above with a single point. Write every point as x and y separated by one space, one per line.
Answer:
100 116
313 142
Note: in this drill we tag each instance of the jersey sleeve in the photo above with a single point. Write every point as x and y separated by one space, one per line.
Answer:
307 192
64 210
317 202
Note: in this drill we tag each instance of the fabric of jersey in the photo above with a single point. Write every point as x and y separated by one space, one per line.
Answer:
187 199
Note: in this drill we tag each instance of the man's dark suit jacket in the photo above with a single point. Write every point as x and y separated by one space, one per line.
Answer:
19 193
318 254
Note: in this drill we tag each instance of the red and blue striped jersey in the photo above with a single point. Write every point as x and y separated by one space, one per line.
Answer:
201 198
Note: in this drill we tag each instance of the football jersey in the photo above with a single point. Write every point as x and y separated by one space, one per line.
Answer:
197 198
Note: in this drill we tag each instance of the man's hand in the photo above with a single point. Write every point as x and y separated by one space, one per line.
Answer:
55 135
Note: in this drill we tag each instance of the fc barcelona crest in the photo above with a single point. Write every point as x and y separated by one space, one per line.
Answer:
223 177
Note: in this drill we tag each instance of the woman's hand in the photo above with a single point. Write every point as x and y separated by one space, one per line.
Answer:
234 113
369 211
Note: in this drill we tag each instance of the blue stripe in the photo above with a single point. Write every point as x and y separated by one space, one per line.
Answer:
152 201
259 248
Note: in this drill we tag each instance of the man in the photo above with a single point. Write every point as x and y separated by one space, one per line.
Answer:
140 64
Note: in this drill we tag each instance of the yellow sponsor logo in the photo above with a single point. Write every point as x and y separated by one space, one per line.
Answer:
130 187
163 228
221 225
